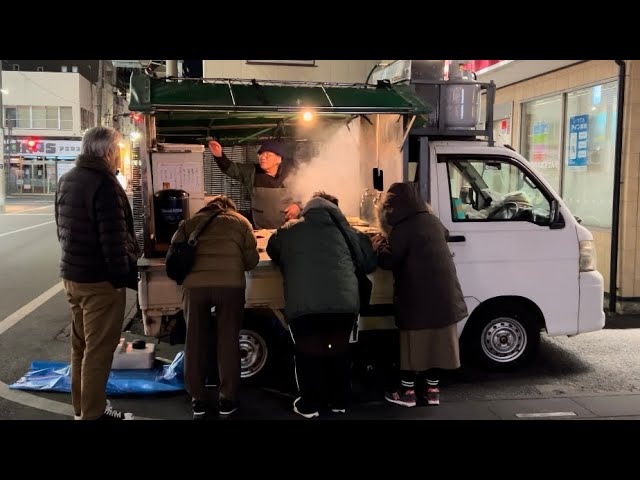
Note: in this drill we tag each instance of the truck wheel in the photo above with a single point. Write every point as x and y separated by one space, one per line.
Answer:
264 350
502 340
254 353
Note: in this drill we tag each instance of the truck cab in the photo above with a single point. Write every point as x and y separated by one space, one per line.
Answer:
524 263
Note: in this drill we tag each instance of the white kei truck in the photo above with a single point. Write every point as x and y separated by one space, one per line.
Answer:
524 262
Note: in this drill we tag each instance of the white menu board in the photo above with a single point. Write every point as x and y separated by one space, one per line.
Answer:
182 171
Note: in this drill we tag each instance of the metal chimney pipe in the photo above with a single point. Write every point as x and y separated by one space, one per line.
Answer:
171 68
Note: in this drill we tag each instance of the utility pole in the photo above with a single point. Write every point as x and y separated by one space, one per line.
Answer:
100 95
4 171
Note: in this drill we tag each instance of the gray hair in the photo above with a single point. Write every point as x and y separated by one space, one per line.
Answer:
222 202
99 141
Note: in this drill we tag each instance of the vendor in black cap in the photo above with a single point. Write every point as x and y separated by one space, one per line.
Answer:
271 202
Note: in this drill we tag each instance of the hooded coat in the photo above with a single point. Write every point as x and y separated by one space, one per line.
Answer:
426 288
316 264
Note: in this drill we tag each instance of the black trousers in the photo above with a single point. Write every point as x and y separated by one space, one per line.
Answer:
323 360
203 331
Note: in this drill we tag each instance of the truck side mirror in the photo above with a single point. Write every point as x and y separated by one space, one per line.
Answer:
553 211
555 219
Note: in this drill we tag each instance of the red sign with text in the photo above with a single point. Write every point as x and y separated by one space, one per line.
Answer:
477 65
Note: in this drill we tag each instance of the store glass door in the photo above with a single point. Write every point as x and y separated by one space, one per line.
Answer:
27 176
51 178
39 175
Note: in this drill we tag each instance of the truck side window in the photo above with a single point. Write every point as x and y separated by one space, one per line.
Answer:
494 190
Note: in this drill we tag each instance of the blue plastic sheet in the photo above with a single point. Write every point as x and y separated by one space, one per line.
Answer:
56 377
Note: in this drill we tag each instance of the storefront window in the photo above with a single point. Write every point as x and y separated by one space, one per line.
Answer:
34 173
66 118
58 118
585 180
38 116
541 134
52 117
24 117
589 153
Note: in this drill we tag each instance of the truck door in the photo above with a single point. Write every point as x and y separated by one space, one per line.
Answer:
498 217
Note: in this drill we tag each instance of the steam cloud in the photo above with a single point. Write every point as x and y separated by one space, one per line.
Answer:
335 170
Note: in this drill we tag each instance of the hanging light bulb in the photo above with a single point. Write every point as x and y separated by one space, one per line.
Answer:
307 115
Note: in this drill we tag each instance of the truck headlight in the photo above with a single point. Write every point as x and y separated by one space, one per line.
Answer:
588 258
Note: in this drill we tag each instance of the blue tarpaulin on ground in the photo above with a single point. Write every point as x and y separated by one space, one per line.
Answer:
56 377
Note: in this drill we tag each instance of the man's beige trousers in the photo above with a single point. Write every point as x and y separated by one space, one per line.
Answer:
97 315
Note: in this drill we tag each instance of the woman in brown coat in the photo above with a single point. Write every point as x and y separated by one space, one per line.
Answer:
427 295
226 249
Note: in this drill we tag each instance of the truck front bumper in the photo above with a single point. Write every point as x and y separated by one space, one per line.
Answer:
591 314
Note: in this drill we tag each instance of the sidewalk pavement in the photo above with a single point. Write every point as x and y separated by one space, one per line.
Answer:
263 404
622 320
552 403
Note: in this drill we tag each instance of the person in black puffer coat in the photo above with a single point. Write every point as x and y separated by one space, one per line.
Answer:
321 299
99 259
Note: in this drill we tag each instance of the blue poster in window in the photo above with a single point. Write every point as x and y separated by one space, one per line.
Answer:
578 141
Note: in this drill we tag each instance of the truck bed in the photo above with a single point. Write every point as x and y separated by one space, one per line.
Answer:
162 296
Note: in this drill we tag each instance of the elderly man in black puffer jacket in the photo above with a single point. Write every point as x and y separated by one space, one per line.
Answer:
99 254
321 299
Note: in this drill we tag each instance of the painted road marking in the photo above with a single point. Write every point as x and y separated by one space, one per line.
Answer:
29 209
18 396
29 399
546 414
18 315
26 228
40 403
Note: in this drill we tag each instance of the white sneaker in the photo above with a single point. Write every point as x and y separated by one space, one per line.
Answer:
303 413
111 413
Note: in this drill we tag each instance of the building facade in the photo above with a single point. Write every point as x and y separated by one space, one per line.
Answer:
340 71
46 107
564 120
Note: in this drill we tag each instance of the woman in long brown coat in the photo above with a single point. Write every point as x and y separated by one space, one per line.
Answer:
427 295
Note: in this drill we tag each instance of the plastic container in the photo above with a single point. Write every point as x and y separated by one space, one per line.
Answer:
170 208
128 357
368 206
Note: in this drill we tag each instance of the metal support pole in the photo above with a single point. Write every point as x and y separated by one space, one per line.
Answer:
4 171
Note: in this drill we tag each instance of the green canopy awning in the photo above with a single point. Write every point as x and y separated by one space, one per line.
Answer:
241 108
151 94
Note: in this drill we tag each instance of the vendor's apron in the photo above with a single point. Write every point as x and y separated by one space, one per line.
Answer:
268 205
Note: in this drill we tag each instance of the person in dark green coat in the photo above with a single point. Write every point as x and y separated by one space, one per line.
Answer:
321 299
272 203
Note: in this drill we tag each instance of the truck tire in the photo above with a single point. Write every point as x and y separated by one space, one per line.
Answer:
265 348
501 339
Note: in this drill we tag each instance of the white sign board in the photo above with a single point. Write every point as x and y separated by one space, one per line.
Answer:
182 171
